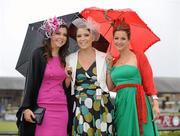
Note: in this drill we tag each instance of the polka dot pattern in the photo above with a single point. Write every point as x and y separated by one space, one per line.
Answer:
93 117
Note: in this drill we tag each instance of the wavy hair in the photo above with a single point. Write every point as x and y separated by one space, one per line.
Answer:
63 51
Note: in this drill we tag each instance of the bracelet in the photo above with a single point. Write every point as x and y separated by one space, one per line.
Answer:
154 97
108 68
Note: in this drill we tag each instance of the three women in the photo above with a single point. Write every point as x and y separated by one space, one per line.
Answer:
130 75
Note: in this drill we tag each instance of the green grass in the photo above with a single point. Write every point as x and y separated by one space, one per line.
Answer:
170 133
11 126
8 126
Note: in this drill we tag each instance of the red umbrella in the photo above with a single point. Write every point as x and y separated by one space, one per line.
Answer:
141 35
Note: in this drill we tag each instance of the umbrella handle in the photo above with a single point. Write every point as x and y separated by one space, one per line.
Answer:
70 74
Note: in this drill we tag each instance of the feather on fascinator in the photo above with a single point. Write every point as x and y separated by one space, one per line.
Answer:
51 25
120 24
90 24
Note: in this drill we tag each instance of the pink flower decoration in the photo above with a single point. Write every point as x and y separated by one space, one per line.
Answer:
51 25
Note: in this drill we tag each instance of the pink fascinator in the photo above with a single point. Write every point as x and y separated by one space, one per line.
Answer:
90 24
51 25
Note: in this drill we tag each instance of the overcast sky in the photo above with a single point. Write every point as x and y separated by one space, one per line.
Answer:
162 16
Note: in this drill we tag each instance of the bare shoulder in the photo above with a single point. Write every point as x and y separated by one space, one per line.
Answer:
133 58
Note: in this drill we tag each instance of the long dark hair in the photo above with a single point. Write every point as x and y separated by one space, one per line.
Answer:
63 51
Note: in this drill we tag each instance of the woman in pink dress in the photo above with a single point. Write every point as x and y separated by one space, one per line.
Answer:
44 82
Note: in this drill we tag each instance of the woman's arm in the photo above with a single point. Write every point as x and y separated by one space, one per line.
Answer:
32 80
147 75
109 82
109 63
148 83
68 79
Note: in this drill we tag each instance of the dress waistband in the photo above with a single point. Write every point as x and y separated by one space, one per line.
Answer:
140 101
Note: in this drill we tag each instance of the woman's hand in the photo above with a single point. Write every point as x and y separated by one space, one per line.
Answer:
29 116
68 71
68 79
155 109
109 60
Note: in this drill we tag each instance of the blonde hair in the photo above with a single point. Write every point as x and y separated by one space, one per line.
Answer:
89 24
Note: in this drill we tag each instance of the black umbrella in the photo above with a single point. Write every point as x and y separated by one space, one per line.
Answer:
34 39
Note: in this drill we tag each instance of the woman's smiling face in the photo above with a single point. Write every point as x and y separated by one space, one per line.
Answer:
59 37
121 40
84 38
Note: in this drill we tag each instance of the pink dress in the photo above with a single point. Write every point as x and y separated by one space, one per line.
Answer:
52 97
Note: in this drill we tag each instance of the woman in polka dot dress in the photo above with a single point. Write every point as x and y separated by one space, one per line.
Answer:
93 110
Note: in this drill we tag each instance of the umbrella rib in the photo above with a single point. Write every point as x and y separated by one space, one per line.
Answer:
131 24
120 15
75 16
107 30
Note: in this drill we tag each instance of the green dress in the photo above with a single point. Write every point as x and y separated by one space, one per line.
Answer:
125 114
93 117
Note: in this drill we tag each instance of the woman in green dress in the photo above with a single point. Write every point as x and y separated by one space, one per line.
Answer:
130 75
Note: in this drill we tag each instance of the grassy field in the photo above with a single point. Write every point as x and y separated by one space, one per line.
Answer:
8 126
170 133
11 126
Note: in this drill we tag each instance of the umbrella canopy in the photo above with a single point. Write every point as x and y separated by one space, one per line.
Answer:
34 39
141 35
